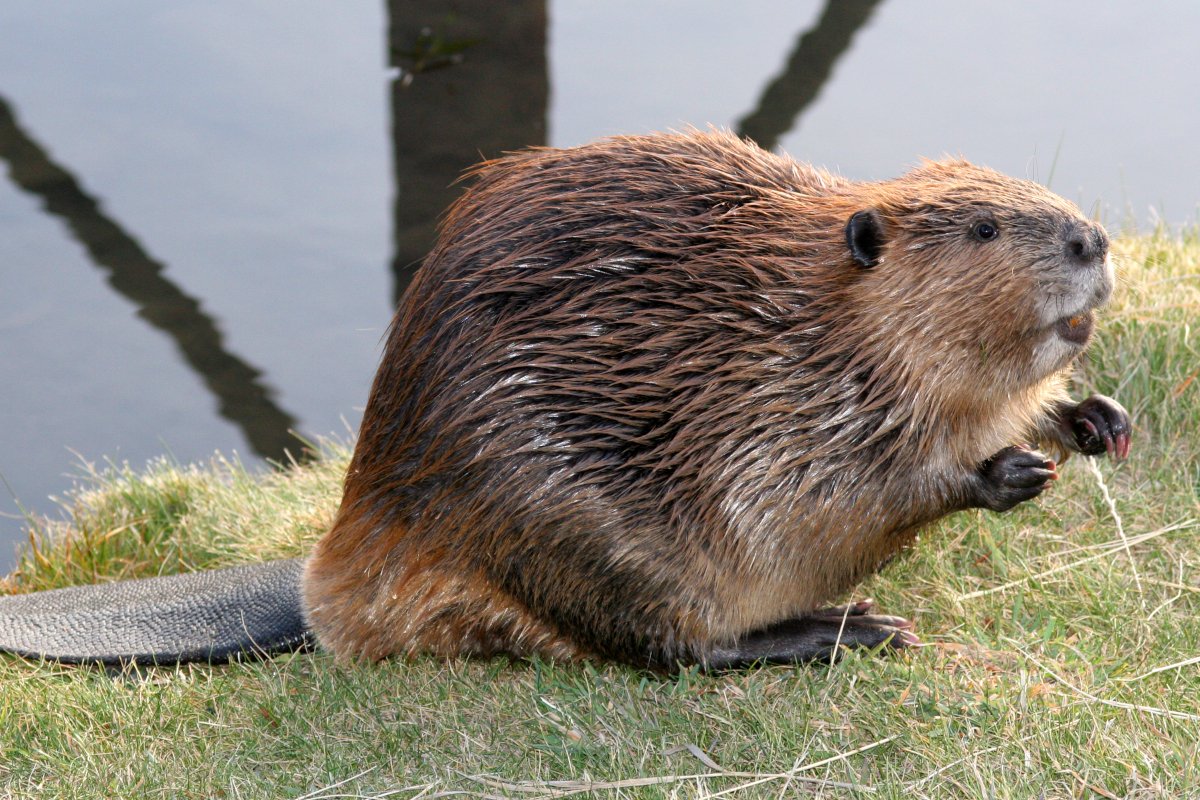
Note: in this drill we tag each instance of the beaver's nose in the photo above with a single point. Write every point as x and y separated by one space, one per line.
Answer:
1087 243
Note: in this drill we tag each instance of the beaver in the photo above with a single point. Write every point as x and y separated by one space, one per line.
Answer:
655 399
658 399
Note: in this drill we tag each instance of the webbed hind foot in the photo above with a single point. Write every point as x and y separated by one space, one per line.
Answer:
815 637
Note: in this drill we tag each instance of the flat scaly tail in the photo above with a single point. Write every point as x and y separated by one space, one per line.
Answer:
213 616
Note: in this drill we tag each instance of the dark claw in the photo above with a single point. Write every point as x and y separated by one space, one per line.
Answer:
862 609
1012 476
856 609
1100 425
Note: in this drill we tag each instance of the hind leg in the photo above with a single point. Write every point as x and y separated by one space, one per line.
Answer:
814 637
367 610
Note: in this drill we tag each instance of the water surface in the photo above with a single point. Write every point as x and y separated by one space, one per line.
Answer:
208 209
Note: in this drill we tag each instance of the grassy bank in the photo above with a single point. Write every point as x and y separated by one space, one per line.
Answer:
1062 659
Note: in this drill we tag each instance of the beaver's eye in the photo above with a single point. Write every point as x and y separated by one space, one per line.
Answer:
985 231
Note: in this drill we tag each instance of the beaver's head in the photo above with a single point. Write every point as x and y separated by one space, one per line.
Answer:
969 266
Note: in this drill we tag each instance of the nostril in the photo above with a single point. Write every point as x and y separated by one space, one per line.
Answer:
1085 243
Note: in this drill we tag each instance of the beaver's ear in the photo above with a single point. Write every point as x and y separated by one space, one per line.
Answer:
864 237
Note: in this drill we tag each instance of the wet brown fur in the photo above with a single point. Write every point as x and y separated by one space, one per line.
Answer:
640 401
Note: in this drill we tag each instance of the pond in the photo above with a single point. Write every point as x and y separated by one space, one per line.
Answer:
208 209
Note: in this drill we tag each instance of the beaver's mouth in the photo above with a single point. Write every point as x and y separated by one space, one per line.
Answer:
1076 328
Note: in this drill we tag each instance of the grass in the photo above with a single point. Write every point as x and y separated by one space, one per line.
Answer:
1062 657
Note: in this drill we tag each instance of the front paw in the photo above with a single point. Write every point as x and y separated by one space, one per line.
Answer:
1100 425
1013 476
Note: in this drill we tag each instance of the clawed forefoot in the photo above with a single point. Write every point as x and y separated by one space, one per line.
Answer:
1012 476
1100 425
